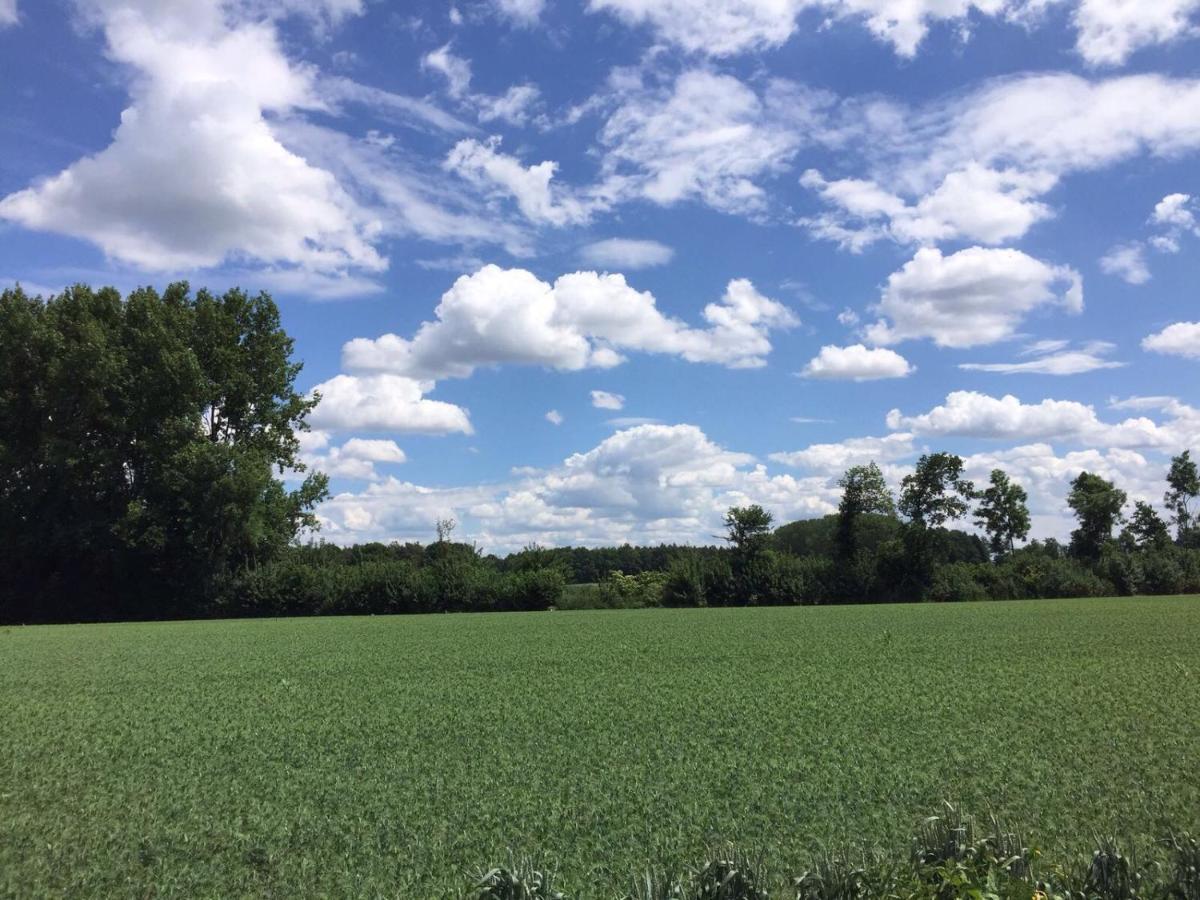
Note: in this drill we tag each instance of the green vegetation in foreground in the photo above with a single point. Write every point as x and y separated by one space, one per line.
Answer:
393 756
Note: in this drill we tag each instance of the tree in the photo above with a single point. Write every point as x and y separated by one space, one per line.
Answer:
1146 529
139 441
1183 482
864 492
748 528
936 492
1097 504
1003 512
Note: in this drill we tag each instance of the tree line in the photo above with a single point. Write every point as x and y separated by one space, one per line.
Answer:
142 439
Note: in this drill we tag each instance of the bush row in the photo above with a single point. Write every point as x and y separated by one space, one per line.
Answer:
292 587
950 858
890 575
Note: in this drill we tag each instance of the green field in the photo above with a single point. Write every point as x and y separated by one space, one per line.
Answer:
387 756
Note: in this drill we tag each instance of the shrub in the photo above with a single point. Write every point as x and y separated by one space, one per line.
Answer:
957 581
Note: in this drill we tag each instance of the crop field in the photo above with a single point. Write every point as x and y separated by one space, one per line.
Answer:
392 756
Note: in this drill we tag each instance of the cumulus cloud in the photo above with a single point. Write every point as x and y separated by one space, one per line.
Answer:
8 13
554 417
1109 31
972 297
1127 262
385 403
1173 210
195 173
835 458
626 253
1053 358
977 415
857 363
355 459
584 320
646 484
1179 339
974 203
607 400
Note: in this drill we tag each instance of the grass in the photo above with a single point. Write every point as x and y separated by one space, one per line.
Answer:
397 757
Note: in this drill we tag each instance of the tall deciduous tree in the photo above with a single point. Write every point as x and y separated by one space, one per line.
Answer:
1146 529
864 492
935 492
139 444
1183 483
748 528
1097 503
1003 512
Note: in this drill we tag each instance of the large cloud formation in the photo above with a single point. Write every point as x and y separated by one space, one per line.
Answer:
583 320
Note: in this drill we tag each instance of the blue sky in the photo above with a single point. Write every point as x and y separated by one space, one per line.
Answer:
777 237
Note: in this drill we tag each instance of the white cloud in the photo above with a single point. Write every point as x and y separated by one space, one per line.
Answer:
356 458
1059 123
554 417
384 403
707 137
538 199
972 297
1173 210
606 400
1110 30
1127 262
977 166
626 253
409 198
374 450
715 27
583 320
857 363
195 173
972 414
1052 358
455 69
645 484
522 12
8 13
1179 339
1107 31
632 421
835 458
974 203
512 106
727 27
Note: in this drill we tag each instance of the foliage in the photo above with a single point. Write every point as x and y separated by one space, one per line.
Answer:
1183 487
523 878
139 439
935 493
1097 504
1003 512
864 493
1146 530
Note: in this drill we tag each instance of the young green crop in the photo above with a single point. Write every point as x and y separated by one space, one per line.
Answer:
392 757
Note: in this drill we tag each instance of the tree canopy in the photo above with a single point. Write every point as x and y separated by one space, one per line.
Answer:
140 439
